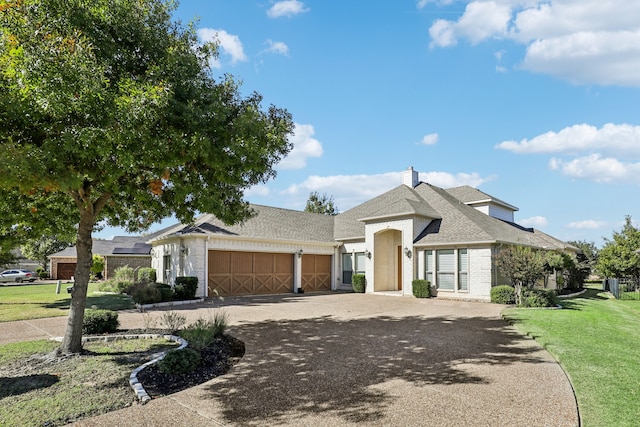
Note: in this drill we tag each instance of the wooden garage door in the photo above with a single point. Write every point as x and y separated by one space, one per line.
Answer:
66 270
316 273
249 273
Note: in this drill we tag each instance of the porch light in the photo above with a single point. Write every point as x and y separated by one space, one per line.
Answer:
300 253
407 252
367 253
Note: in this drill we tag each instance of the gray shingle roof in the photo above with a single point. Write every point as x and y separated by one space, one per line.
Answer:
122 245
467 194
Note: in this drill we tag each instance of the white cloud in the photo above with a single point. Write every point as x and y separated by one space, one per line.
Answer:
598 169
534 221
422 3
583 41
351 190
260 190
623 139
430 139
304 146
279 48
286 8
229 44
587 224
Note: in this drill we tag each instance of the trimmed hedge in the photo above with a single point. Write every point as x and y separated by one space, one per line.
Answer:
538 298
186 287
100 322
503 294
421 288
358 283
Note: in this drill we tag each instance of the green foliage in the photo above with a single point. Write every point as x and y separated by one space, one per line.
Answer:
166 292
503 294
522 266
179 362
538 298
147 274
40 248
186 287
115 285
321 204
619 257
95 131
100 321
358 283
42 273
587 258
201 333
124 273
97 266
145 293
421 288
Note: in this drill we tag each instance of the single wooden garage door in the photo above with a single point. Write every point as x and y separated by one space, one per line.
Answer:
66 270
316 273
249 273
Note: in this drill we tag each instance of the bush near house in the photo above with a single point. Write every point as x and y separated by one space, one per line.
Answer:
147 274
358 283
539 298
421 288
186 287
503 294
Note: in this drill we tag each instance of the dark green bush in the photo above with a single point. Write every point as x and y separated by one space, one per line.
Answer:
42 273
145 293
421 288
538 298
181 361
166 293
503 294
201 333
100 322
147 274
358 283
186 287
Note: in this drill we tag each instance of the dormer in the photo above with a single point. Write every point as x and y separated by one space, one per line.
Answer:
483 202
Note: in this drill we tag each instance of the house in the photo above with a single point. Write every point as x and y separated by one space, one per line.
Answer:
117 252
414 231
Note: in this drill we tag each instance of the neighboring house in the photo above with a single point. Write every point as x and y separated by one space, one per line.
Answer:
21 262
414 231
120 251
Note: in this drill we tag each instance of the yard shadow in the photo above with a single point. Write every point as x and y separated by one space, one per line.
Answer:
13 386
343 367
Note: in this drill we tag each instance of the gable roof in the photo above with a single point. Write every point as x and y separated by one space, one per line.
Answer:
119 245
472 196
269 223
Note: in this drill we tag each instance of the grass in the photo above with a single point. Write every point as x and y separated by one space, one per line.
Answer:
596 340
39 391
36 301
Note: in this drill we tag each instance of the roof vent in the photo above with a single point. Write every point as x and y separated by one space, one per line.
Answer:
410 177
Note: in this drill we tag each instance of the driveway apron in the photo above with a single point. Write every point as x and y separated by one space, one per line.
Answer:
356 359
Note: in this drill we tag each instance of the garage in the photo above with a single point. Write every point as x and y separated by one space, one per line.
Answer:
66 270
249 273
316 273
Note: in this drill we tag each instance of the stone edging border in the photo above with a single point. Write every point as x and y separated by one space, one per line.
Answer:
572 295
143 307
137 387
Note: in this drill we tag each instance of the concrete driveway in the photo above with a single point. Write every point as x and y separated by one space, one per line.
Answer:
354 359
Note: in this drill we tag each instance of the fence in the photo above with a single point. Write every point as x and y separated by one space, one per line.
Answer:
625 289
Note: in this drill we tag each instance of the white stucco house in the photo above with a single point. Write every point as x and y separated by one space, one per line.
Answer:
414 231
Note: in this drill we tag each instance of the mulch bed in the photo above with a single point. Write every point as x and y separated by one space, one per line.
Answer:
217 359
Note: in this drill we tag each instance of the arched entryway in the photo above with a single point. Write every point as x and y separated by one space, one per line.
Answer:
387 261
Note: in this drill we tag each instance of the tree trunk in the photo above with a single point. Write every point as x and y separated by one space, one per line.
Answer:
72 342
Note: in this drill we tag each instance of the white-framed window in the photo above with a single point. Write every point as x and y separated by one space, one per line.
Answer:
447 269
352 263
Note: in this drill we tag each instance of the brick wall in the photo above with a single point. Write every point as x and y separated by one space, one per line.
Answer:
111 263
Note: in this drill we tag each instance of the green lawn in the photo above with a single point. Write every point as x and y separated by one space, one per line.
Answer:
40 300
597 341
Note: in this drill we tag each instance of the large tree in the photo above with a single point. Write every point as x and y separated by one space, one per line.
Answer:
619 257
40 248
110 107
321 204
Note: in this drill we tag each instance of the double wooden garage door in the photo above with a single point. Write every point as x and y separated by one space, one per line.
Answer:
66 270
254 273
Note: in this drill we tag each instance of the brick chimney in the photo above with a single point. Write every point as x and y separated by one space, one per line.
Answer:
410 177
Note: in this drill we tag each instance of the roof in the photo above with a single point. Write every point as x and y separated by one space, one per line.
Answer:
268 223
118 245
471 196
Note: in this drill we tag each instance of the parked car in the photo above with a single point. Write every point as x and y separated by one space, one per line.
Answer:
18 276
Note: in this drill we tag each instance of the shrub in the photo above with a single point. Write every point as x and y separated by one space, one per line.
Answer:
181 361
538 298
100 322
358 283
503 294
166 293
97 265
201 333
124 273
173 320
114 285
186 287
145 293
421 288
42 273
147 274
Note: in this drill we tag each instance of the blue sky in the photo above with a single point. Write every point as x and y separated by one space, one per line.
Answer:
534 102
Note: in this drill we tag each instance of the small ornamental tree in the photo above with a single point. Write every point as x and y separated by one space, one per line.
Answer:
40 248
522 266
619 257
110 114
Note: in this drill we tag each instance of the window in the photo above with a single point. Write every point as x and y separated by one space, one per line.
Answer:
360 259
429 266
463 270
166 267
347 268
445 263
